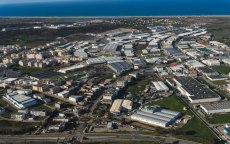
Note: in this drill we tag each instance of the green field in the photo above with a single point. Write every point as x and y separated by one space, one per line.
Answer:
221 82
219 119
139 49
26 142
124 142
222 69
139 86
194 130
171 102
16 128
31 70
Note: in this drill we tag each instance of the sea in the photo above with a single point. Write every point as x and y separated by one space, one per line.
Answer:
117 8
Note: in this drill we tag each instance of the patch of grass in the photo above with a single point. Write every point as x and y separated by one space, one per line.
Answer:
2 102
139 86
123 142
194 130
171 102
219 119
139 49
16 128
28 142
221 82
41 107
222 69
31 70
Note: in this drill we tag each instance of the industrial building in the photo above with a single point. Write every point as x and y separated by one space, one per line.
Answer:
158 117
120 105
211 62
207 71
116 107
195 91
160 86
120 67
217 77
215 108
101 60
111 47
194 64
71 68
20 101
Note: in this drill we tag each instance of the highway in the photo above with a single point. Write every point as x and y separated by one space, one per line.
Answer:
105 137
29 138
95 137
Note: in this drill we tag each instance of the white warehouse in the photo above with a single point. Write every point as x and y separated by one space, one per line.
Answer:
215 108
160 86
20 101
158 117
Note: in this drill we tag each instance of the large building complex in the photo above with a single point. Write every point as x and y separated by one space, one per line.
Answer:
20 101
215 108
120 67
160 86
157 117
195 91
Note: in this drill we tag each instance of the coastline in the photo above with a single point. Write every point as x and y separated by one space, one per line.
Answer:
160 16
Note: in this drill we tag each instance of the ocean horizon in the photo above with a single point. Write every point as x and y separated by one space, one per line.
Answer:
117 8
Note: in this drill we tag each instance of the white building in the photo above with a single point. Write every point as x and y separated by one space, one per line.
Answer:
158 117
116 106
194 64
20 101
211 62
215 108
160 86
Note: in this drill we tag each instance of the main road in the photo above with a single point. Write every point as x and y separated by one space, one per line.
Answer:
95 137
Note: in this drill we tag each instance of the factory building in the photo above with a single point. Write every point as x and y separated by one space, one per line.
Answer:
71 68
20 101
120 105
101 60
160 86
217 77
215 108
207 71
116 107
211 62
158 117
120 67
195 91
194 64
111 47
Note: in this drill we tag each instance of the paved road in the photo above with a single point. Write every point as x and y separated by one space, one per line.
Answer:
95 137
105 137
28 138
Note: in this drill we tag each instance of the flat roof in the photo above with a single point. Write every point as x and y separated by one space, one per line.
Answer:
217 106
207 70
195 88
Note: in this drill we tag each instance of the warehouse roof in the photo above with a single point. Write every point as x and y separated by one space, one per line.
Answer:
206 70
159 117
217 106
111 47
116 107
195 88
